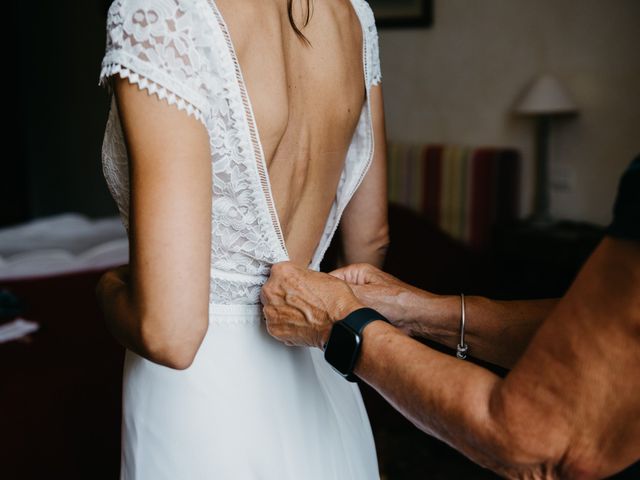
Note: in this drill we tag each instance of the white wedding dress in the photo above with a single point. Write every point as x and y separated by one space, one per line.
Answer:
248 407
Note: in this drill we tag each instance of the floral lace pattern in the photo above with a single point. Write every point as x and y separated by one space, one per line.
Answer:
114 163
181 51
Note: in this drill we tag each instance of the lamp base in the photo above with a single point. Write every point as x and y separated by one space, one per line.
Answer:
541 218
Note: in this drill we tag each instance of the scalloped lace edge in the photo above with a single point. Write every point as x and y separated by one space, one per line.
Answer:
153 88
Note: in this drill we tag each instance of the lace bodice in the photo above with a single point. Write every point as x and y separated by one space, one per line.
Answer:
181 51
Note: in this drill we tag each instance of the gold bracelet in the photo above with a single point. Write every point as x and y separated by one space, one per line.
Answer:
462 347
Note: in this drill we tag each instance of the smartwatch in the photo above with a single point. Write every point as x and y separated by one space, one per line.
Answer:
345 341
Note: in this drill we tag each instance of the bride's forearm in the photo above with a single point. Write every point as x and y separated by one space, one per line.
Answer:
373 252
496 331
155 339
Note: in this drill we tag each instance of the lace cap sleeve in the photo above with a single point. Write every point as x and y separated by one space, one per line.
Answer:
154 43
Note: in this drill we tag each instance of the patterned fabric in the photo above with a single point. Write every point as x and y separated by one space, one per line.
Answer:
181 51
463 190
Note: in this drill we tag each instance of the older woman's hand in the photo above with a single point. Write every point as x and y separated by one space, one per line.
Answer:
399 302
301 305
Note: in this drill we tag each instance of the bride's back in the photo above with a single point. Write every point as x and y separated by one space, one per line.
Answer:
306 100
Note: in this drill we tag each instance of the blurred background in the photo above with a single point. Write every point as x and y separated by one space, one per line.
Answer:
509 124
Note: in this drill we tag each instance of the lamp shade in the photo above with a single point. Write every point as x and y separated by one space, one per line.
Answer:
546 96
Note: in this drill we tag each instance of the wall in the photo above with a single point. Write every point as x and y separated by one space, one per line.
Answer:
60 47
459 80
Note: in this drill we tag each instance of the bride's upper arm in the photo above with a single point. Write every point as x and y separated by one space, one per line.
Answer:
364 225
170 214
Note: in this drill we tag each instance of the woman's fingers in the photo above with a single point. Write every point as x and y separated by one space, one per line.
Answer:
357 274
343 273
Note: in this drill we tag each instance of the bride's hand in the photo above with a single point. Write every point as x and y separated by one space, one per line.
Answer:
114 277
301 305
396 300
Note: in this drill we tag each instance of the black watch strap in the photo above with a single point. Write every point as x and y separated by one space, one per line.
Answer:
357 320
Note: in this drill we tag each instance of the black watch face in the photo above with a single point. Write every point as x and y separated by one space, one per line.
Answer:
341 348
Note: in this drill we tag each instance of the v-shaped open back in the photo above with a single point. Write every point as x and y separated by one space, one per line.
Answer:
258 149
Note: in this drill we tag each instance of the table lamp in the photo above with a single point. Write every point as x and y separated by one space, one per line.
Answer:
544 99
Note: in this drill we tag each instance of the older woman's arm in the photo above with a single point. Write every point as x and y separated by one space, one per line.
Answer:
568 409
496 331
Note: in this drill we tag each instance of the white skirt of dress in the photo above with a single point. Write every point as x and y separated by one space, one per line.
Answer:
248 407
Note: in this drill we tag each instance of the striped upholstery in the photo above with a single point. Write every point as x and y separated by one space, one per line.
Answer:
465 191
